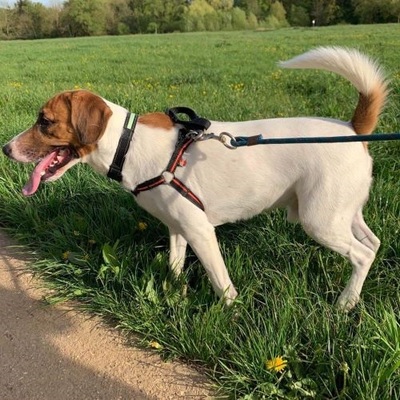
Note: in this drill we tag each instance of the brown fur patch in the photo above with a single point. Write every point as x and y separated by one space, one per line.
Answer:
75 118
157 120
368 109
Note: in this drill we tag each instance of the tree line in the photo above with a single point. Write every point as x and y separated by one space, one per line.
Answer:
27 19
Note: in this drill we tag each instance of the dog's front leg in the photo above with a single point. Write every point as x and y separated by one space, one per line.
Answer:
187 223
203 241
177 252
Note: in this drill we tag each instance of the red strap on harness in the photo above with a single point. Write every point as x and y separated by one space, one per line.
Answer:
175 160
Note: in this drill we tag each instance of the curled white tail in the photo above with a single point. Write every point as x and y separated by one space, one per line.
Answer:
364 73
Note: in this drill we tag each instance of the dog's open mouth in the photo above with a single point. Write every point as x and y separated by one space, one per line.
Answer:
47 168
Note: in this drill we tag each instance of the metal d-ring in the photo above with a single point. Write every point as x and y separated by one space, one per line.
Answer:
227 139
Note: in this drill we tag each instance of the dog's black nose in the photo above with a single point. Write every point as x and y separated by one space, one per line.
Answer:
7 150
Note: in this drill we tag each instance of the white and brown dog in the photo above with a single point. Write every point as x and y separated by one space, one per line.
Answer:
323 186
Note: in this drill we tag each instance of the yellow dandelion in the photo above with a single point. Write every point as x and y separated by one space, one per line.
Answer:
142 226
277 364
16 85
276 75
65 255
155 345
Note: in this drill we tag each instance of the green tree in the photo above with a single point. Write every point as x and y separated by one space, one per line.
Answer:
85 17
224 5
377 11
29 20
250 6
299 16
277 16
6 23
201 15
252 21
324 11
168 15
346 12
42 23
239 19
165 16
118 18
260 8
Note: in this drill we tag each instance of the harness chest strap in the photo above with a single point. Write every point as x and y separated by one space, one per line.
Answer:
167 177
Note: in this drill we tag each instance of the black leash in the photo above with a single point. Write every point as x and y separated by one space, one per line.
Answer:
199 125
240 141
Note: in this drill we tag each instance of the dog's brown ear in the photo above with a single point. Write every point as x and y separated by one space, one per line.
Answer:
89 116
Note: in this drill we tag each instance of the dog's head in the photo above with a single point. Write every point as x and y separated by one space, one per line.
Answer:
68 127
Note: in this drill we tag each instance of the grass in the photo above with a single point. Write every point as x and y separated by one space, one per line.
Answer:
96 246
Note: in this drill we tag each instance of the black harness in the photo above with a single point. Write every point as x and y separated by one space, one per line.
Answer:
192 126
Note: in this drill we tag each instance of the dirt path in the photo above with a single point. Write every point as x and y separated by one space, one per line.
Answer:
54 353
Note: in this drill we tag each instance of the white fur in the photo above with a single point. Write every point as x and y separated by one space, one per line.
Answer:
342 61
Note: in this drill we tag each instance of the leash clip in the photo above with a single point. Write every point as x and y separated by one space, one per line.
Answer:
227 139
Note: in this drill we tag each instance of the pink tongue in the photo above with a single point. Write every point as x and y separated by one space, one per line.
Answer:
32 185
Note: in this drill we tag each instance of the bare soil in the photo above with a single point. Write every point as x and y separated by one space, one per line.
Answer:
56 353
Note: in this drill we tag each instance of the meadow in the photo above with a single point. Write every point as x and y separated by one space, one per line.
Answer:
94 246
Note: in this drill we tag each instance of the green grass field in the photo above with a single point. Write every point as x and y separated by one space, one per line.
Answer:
96 246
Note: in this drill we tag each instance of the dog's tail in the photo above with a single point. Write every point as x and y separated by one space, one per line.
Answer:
364 73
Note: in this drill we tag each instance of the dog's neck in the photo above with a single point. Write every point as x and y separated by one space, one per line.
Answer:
151 146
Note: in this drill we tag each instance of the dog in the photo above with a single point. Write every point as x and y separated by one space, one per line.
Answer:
322 186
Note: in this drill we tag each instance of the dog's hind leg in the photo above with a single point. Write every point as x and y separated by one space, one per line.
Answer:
363 233
361 258
335 232
177 253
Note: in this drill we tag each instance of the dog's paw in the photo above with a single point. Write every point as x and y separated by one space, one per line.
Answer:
348 300
230 295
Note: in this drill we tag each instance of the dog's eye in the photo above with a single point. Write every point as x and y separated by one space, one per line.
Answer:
44 122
